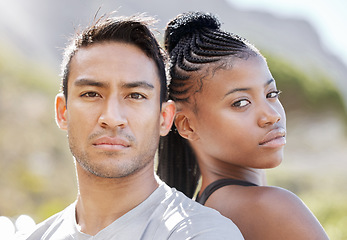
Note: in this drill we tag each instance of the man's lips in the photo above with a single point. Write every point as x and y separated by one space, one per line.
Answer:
111 143
274 138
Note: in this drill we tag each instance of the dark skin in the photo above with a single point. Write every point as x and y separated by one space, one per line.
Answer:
237 129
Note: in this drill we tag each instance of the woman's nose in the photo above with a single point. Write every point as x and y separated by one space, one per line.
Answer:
270 114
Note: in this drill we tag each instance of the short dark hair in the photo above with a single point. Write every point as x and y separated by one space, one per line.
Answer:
132 30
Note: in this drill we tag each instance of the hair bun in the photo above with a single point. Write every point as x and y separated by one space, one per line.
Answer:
187 23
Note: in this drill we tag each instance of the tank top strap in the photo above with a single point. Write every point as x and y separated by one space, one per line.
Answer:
218 184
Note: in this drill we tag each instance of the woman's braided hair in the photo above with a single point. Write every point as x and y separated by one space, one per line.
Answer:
193 40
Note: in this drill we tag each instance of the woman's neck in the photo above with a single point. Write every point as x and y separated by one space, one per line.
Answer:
211 174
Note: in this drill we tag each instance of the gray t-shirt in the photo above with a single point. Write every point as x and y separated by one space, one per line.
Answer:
165 214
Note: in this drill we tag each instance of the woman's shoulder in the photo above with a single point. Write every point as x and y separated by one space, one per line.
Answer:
267 211
259 198
271 201
270 196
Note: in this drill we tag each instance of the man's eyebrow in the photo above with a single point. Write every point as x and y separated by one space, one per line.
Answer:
88 82
246 89
135 84
138 84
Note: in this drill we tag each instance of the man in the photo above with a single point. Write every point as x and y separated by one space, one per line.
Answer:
114 109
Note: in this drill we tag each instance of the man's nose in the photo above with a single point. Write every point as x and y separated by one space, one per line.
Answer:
113 115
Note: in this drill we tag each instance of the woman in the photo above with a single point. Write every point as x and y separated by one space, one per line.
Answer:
230 125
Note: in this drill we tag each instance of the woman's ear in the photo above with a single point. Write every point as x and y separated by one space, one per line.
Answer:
184 126
168 110
60 111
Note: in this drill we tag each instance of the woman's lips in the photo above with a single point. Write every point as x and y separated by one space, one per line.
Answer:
274 138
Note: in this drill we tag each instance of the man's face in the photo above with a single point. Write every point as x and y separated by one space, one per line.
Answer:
112 114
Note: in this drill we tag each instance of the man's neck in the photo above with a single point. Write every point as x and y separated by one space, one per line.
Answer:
101 201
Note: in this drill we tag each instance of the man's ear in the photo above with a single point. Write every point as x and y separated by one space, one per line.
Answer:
184 126
168 110
60 111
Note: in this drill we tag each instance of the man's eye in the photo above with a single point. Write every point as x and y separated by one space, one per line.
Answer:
90 94
136 96
241 103
274 94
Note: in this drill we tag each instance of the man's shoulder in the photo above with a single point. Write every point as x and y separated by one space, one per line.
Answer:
46 226
179 202
185 216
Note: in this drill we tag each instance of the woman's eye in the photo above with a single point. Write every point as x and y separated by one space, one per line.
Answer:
274 94
136 96
241 103
90 94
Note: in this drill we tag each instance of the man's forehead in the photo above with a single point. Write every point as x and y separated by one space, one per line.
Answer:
117 59
122 84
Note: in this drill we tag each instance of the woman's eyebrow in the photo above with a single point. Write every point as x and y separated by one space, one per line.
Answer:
269 82
236 90
246 89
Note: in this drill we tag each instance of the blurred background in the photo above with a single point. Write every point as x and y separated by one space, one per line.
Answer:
304 42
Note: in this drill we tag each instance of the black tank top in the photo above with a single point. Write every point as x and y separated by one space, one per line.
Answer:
218 184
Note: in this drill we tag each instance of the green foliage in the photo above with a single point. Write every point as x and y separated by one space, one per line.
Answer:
31 183
26 73
331 209
34 153
309 91
326 199
49 208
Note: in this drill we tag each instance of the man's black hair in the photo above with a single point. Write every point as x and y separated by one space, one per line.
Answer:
131 30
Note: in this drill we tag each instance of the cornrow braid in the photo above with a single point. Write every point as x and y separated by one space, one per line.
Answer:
193 40
223 41
198 46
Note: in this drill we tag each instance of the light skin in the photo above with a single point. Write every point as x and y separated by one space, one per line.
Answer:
236 126
114 119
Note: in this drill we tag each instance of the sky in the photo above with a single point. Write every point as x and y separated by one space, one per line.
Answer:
328 17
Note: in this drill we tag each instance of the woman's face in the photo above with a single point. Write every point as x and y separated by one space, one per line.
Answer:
239 119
